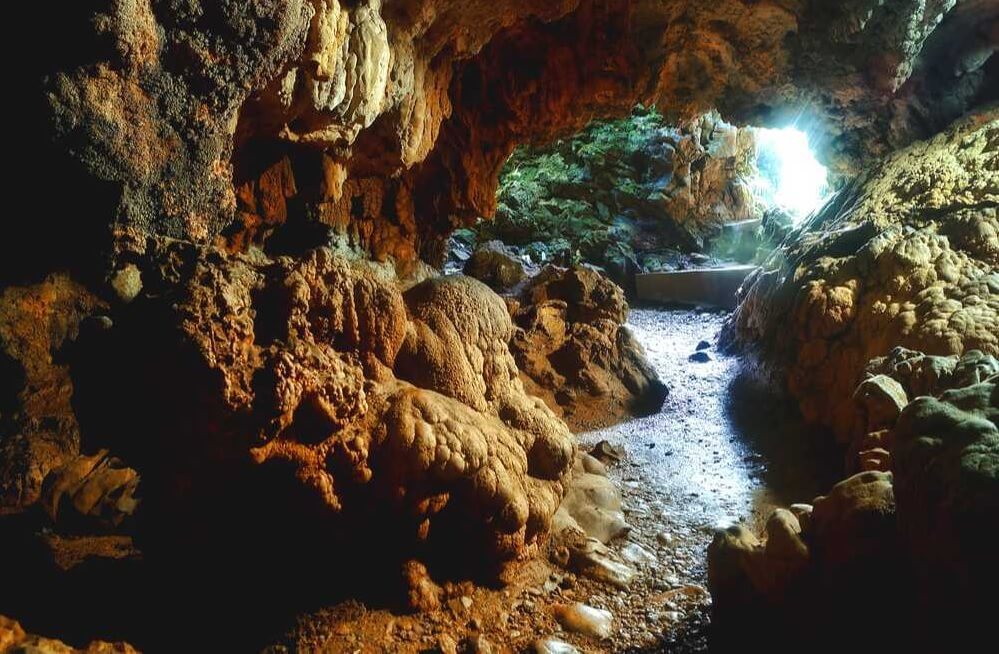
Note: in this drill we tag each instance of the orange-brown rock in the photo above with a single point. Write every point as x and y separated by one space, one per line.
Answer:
388 121
39 431
574 350
912 519
905 255
712 166
363 407
14 640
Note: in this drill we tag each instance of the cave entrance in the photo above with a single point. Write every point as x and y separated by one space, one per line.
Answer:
698 204
641 195
789 177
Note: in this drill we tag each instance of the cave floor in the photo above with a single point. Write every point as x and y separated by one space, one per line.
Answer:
720 450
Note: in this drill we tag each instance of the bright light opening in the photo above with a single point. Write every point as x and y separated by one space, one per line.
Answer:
790 176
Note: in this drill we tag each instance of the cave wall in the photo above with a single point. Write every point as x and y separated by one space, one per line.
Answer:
164 137
906 255
389 121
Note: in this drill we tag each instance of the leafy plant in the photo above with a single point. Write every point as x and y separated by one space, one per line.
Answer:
574 190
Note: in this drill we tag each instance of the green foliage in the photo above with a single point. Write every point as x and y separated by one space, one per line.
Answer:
572 193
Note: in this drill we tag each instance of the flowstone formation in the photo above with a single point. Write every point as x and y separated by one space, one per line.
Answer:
181 296
366 409
906 255
912 519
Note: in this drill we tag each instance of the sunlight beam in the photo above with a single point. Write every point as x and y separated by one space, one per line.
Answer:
791 176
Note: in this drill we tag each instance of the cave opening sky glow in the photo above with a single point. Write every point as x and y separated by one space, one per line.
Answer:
791 176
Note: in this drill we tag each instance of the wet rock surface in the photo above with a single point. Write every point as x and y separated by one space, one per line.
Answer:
700 473
175 302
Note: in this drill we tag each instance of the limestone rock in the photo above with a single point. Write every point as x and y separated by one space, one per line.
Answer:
397 116
946 462
339 388
590 558
37 418
592 504
637 555
13 639
905 255
853 529
584 619
574 351
851 535
424 594
608 453
494 264
95 487
744 570
552 645
710 185
913 518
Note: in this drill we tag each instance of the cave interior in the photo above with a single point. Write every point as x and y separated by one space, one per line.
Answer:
501 326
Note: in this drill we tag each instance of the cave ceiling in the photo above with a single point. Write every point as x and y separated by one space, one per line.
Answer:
388 120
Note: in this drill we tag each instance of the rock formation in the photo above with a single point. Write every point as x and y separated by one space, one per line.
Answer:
574 350
15 640
628 195
912 519
355 396
389 121
905 255
40 429
497 266
171 293
712 162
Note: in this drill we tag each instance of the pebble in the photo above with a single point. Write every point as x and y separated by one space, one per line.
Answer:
584 619
551 645
700 357
127 283
635 553
703 345
607 453
611 572
97 323
446 644
664 538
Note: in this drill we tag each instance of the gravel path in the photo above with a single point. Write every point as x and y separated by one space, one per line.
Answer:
718 452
